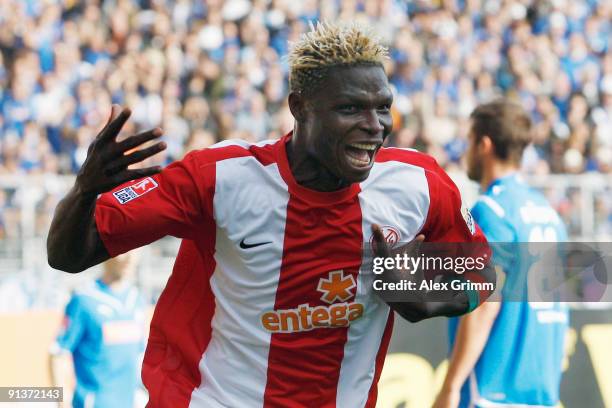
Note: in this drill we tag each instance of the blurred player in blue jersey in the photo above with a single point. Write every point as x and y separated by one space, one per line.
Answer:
507 353
103 328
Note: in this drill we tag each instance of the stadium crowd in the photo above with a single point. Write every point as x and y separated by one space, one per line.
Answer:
209 70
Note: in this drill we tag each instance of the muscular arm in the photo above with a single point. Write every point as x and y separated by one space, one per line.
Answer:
434 303
62 373
472 335
74 244
449 304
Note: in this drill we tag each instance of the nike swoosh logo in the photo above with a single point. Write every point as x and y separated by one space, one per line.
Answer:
244 245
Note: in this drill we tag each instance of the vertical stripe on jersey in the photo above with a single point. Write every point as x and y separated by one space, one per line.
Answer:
234 365
380 360
180 328
319 238
400 200
364 354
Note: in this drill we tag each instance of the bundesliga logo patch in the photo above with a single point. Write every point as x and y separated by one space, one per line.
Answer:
136 190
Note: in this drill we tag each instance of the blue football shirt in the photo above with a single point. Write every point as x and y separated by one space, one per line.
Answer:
521 362
103 329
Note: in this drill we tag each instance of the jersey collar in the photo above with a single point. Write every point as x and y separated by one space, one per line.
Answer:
509 178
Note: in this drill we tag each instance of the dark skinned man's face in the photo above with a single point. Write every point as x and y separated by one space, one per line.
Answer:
346 119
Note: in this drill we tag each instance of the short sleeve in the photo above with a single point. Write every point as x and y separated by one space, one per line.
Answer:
73 325
493 225
173 202
448 220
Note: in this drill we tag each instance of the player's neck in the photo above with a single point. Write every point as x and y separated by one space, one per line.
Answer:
496 171
308 172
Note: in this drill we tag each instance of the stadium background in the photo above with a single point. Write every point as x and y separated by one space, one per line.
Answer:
205 71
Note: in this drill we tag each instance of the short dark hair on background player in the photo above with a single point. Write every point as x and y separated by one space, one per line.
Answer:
507 125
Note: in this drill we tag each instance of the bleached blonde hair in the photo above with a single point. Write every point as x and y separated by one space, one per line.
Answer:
328 45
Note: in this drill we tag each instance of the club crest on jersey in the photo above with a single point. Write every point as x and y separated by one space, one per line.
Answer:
136 190
469 220
336 287
391 234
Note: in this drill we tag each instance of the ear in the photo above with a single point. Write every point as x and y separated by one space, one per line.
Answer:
297 106
485 146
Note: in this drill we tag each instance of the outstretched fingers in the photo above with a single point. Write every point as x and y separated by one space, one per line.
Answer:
122 162
114 109
107 162
115 123
119 149
137 140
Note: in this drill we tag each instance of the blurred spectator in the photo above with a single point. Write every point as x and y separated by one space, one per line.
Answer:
189 66
209 70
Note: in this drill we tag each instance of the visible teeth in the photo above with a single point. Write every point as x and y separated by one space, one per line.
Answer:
357 162
364 146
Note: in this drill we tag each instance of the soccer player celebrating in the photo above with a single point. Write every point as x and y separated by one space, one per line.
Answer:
507 354
268 303
103 328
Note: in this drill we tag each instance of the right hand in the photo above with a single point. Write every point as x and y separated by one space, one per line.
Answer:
106 165
411 250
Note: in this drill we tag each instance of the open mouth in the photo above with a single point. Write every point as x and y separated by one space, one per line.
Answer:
361 154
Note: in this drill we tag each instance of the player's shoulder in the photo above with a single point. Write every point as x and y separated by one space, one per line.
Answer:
83 297
488 205
512 201
84 290
90 294
506 196
499 203
263 152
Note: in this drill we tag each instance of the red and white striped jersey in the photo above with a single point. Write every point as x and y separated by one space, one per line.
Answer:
266 305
